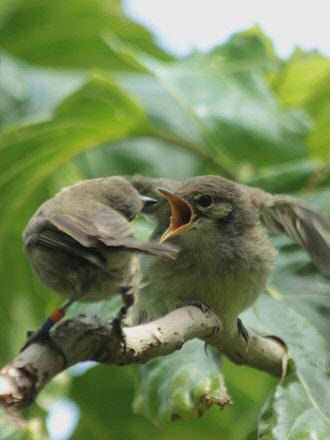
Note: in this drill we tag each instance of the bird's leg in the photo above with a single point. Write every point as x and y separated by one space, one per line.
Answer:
117 321
42 334
242 331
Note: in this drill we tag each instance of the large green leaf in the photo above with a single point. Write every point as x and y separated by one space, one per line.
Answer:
307 341
69 34
225 95
290 414
181 386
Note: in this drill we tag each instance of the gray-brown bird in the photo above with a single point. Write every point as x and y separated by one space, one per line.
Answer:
80 242
225 257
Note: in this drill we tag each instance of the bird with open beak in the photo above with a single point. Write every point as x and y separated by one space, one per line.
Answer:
225 257
81 245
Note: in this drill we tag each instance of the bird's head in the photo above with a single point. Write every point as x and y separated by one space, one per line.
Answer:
115 192
209 203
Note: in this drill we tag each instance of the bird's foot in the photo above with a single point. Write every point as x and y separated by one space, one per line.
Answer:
117 321
205 308
128 299
243 331
117 327
42 336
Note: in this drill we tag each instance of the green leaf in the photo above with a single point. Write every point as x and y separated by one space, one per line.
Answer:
104 395
106 310
304 81
307 343
225 95
289 414
28 93
285 178
69 34
13 427
181 386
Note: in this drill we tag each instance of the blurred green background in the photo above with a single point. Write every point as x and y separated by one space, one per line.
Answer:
85 92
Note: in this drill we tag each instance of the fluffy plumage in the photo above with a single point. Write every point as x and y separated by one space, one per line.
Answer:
81 239
225 257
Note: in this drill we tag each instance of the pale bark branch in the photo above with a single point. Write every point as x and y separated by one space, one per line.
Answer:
86 338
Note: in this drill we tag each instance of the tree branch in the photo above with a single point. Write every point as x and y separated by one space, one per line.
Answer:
86 338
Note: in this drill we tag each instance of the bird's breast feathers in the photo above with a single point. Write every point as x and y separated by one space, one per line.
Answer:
228 281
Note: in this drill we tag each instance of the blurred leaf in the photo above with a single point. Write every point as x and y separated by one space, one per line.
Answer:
225 95
56 389
169 117
150 157
105 310
290 414
304 81
16 428
13 94
28 93
69 34
286 178
182 385
11 429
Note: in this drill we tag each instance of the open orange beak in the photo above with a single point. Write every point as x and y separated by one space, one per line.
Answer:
182 215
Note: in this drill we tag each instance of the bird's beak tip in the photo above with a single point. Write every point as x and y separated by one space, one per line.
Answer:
148 201
165 191
182 214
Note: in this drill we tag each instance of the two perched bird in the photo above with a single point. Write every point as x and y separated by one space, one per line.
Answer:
212 245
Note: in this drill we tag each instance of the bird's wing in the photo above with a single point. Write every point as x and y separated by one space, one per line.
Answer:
57 240
84 234
95 228
106 228
302 225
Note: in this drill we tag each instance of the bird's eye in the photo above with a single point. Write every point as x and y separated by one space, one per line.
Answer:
205 201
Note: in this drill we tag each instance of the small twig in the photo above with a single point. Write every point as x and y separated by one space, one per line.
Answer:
85 338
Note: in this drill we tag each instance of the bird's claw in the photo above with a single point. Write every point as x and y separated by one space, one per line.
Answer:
117 327
205 308
117 321
243 331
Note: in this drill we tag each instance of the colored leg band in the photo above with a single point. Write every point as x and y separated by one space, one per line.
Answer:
55 317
